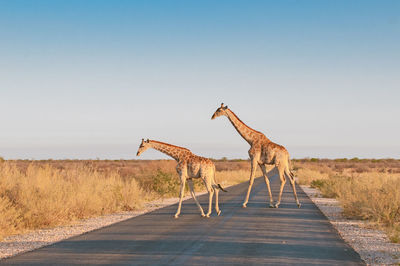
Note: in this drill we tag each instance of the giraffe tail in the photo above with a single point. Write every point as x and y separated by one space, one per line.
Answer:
221 188
218 185
289 169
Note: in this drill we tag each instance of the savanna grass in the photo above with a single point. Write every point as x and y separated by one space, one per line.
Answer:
43 194
366 189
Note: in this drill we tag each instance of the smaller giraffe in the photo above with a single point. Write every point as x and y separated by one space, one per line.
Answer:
189 166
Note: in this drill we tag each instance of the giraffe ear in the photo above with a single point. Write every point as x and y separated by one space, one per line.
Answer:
142 140
222 104
148 141
226 107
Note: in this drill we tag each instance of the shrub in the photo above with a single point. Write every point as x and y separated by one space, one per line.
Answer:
165 184
318 183
341 160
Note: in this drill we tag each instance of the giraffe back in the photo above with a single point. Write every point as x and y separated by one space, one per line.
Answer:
199 167
272 153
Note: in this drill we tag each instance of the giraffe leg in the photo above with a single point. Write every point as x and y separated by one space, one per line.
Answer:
216 189
251 181
264 170
210 197
293 184
216 201
190 182
182 192
283 182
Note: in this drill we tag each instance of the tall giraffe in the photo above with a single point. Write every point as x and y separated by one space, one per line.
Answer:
189 166
262 152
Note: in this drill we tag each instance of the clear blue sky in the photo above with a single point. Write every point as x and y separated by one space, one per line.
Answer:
89 79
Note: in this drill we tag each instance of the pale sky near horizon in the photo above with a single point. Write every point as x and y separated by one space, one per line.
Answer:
89 79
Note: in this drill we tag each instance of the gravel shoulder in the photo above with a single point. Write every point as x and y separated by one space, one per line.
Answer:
373 245
13 245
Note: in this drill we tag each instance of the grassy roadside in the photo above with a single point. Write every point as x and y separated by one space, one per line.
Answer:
45 194
42 194
367 190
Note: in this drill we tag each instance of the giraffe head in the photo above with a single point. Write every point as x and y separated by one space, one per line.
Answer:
220 111
144 145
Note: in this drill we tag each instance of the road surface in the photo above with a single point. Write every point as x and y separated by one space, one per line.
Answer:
254 235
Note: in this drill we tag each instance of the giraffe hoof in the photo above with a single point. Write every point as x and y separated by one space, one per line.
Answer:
277 205
271 205
176 216
203 215
207 216
244 205
219 212
299 205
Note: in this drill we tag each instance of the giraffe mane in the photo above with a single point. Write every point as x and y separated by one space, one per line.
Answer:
243 122
167 144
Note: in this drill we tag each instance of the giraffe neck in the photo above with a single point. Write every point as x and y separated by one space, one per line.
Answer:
171 150
246 132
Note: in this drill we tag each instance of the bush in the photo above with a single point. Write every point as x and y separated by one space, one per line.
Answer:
165 184
318 183
341 160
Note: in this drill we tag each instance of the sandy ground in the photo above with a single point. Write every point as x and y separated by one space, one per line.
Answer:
373 245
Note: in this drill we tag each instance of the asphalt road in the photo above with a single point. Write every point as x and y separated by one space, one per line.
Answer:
255 235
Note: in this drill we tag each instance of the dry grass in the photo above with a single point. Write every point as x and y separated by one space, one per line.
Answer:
366 189
44 194
231 177
47 193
